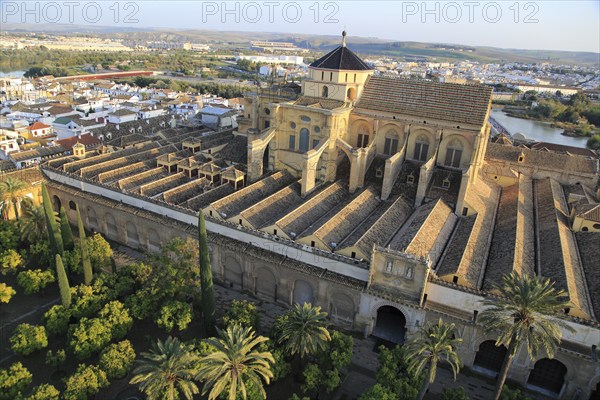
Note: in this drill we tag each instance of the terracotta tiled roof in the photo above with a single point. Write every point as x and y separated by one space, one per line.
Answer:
327 104
384 228
563 149
313 209
590 212
348 218
123 112
38 125
542 159
87 140
274 206
236 150
589 249
237 202
502 251
421 234
444 101
457 246
204 199
54 110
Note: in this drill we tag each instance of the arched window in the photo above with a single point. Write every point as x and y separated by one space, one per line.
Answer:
325 91
453 153
421 148
391 143
304 140
363 137
351 94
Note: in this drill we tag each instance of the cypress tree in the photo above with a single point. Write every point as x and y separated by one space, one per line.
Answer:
53 233
65 230
85 254
63 283
206 280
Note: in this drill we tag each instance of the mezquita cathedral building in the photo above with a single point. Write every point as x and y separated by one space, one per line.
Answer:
383 200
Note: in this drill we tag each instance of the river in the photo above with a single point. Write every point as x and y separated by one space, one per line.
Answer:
535 130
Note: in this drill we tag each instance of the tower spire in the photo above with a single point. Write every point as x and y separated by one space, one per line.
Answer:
344 38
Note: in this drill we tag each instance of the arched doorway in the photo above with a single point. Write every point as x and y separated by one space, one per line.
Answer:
489 358
111 227
265 160
343 166
266 284
233 273
390 325
547 376
303 293
133 239
92 220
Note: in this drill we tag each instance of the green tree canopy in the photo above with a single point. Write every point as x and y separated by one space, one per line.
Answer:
85 382
63 282
117 359
117 318
27 339
174 314
100 252
6 293
166 371
32 281
206 279
89 337
12 191
87 301
65 230
235 364
525 313
44 392
10 261
303 330
56 319
14 381
33 224
394 380
433 344
242 312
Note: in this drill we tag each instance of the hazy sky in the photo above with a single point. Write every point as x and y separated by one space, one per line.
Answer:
558 25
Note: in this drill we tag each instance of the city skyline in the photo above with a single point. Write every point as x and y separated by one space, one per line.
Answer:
544 25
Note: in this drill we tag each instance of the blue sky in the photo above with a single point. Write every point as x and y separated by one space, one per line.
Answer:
555 25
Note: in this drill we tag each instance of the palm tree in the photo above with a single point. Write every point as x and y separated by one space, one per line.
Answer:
524 314
304 330
433 344
166 370
33 224
235 364
12 189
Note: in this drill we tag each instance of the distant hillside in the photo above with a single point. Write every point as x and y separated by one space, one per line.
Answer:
322 43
